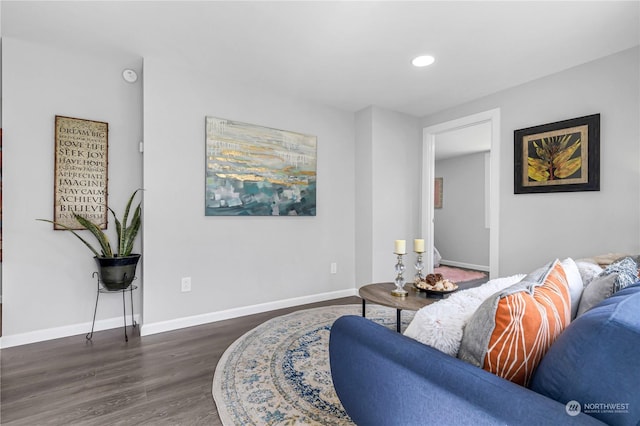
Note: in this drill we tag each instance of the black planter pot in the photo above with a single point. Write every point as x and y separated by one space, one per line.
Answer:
117 273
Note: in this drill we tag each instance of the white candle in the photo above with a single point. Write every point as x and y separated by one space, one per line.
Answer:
400 247
418 246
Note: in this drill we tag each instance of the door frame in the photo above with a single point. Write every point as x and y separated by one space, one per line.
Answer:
429 135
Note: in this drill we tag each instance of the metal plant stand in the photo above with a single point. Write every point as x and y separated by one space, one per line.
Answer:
102 289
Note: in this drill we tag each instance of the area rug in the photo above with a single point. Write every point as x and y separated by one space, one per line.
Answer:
279 373
458 275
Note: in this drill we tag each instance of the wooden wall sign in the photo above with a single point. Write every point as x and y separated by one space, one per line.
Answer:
80 184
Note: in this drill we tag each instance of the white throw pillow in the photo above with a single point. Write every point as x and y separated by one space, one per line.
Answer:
441 324
575 284
588 271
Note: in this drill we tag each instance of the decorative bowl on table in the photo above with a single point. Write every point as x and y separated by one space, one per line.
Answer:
435 285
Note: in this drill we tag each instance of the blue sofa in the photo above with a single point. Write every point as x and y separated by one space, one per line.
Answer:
590 375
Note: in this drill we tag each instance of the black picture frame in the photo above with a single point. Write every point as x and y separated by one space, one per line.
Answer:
558 157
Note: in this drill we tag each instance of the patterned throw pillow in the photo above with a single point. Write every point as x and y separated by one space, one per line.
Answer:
612 279
512 330
627 270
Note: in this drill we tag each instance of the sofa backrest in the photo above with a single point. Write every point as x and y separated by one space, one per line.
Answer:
593 366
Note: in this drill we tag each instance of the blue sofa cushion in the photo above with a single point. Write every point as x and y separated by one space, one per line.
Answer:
595 361
384 378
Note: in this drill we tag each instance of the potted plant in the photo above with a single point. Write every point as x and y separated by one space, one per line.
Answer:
117 270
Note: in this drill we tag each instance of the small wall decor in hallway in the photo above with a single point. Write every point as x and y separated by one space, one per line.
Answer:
80 181
558 157
437 193
258 171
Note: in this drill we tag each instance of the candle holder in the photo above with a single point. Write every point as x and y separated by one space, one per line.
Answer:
419 267
399 291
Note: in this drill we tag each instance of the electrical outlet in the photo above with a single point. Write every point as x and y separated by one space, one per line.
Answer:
186 284
334 268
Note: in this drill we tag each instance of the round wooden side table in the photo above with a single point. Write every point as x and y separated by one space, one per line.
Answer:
380 294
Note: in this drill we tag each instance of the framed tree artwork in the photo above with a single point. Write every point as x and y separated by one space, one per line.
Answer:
558 157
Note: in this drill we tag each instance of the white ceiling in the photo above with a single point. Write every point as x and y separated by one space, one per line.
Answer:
463 141
347 55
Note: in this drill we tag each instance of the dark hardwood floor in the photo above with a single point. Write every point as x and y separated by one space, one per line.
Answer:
163 379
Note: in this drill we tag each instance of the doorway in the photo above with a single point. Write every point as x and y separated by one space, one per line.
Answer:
430 135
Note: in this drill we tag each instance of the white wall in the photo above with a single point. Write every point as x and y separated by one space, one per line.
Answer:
47 280
0 173
259 262
364 196
387 188
459 231
535 228
396 189
236 262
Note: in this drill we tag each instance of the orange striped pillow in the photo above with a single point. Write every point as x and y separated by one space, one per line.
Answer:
523 321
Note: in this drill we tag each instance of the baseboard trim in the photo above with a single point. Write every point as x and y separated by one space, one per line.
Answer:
8 341
59 332
464 265
179 323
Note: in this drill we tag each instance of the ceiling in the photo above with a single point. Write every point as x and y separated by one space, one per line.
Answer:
463 141
347 55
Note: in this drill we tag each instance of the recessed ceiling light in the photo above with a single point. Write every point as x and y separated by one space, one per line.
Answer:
130 76
423 61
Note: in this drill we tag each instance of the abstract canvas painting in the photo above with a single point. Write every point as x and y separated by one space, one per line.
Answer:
258 171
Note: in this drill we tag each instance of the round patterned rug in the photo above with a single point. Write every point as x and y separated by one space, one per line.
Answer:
279 373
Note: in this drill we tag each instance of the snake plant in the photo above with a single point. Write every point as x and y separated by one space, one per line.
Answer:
126 231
